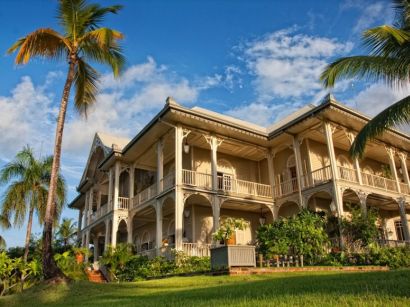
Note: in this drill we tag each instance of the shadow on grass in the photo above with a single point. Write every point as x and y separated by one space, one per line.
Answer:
319 288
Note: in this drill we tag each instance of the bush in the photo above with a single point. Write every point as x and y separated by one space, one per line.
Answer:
129 267
303 234
68 264
15 274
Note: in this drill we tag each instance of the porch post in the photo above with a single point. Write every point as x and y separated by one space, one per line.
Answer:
363 200
351 136
129 230
90 203
390 153
271 171
403 159
87 243
131 188
116 184
95 242
296 151
114 230
214 162
158 224
107 234
179 199
403 217
333 166
110 200
216 212
160 165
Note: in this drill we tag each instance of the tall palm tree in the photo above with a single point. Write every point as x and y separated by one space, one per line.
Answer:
66 231
5 224
388 61
28 179
82 40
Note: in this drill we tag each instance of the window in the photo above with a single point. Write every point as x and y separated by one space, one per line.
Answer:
399 230
224 182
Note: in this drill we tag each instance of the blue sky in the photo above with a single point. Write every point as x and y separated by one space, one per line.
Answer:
256 60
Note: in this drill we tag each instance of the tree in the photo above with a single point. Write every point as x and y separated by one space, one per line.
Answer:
388 61
27 179
66 231
5 224
81 41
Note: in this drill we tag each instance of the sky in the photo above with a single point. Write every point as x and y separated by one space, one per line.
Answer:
254 60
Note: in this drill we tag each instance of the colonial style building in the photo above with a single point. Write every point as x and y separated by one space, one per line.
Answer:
170 185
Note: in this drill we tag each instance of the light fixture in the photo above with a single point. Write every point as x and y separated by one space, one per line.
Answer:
187 213
262 218
186 146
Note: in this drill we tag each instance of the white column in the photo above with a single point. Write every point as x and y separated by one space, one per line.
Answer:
90 202
116 184
129 230
110 179
114 230
214 162
160 165
158 224
107 234
80 219
99 198
390 152
95 242
403 217
179 199
403 164
333 166
216 212
87 243
271 171
296 151
363 200
351 136
132 179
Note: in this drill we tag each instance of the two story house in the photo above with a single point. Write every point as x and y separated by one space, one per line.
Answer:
187 168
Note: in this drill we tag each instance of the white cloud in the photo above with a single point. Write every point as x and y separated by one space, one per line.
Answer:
288 65
375 98
25 116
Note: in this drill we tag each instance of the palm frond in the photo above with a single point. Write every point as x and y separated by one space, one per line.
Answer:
104 37
397 114
392 71
15 202
44 42
4 221
112 56
86 86
386 41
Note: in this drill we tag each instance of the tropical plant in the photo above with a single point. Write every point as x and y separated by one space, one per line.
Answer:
81 41
27 179
5 224
228 227
388 61
66 231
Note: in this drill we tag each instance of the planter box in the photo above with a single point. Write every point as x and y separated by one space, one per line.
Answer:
227 256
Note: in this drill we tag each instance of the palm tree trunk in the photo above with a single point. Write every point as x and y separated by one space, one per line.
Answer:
28 233
50 268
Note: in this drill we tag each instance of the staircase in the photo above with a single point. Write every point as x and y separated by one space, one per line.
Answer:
95 276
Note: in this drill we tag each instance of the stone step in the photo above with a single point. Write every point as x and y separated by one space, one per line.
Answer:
96 276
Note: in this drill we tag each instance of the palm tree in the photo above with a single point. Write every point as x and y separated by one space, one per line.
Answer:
66 231
388 61
27 190
5 224
82 40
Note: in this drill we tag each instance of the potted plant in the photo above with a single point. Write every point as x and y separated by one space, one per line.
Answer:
227 230
80 253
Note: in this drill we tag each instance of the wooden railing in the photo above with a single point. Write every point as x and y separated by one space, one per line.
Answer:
404 188
195 249
379 182
168 181
347 174
197 179
123 203
286 187
243 187
144 195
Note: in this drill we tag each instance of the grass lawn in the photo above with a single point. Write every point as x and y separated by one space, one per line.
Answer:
324 289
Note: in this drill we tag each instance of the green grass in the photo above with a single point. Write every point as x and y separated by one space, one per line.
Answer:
324 289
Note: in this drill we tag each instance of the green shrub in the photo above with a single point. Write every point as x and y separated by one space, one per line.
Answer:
68 264
303 234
